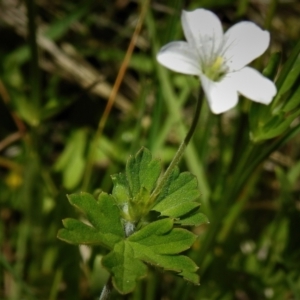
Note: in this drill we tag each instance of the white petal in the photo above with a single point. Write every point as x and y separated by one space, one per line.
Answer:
179 57
222 95
203 30
253 85
244 42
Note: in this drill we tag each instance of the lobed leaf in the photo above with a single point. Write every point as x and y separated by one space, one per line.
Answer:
180 209
194 219
179 196
104 216
125 268
142 172
158 243
180 264
76 232
160 237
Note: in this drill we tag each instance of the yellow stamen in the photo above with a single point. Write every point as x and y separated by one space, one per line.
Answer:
217 64
215 71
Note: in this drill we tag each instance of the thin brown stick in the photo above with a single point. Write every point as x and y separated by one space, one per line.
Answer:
114 92
10 139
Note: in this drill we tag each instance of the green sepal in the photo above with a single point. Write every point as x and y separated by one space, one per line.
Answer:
179 196
104 215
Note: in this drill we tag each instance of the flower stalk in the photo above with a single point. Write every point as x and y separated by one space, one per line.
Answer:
180 150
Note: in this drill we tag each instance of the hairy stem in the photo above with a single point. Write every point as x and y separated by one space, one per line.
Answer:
106 290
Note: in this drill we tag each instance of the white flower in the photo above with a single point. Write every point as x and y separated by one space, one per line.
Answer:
220 59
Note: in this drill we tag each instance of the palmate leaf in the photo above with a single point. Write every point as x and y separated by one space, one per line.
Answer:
195 218
161 237
133 188
159 244
142 172
124 267
179 199
106 228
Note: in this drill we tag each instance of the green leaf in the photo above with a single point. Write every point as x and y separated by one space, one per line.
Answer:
59 28
104 216
288 74
194 219
72 160
158 243
26 108
267 122
133 188
258 116
274 127
180 209
77 233
181 264
142 172
124 267
273 65
179 196
161 237
293 101
294 173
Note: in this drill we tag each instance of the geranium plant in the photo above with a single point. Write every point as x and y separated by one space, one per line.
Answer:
147 217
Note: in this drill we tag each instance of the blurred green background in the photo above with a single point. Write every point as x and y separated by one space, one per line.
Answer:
58 64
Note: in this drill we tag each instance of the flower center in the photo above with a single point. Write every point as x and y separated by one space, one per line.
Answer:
215 70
